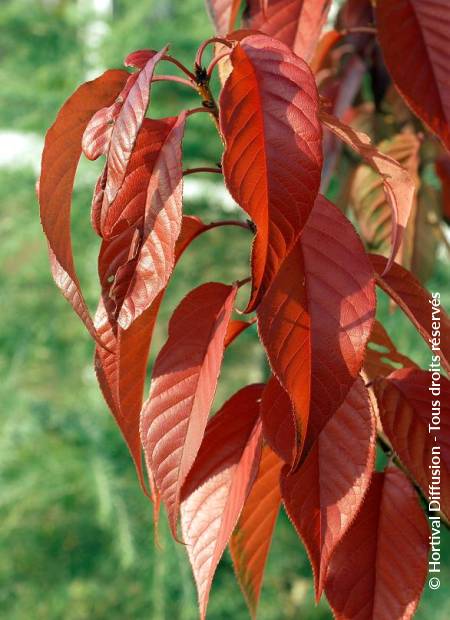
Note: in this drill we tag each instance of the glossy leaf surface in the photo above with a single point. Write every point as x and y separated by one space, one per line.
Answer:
388 547
182 389
324 495
317 316
219 483
272 159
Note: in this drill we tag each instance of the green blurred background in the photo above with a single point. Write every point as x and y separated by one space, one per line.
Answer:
76 539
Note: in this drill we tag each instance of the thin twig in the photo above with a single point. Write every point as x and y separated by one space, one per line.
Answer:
174 78
201 169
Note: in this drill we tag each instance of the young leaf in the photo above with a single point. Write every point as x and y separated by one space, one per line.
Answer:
417 303
160 230
323 496
398 186
407 410
251 539
272 159
382 356
413 36
278 421
116 128
60 158
317 316
387 546
183 385
219 483
297 23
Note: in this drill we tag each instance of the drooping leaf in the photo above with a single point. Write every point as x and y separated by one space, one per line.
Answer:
272 160
324 495
398 186
223 14
219 483
296 23
369 202
387 546
317 316
121 370
114 129
413 35
160 229
417 303
60 158
407 410
251 539
278 421
382 356
184 379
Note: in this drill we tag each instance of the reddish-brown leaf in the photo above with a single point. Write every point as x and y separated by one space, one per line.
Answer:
278 421
399 187
160 230
317 316
387 547
183 385
297 23
219 483
324 495
416 303
407 407
382 356
60 158
113 131
121 370
272 160
251 539
414 39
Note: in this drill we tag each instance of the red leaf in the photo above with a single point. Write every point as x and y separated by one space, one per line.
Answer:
406 407
413 36
416 303
114 129
235 328
278 421
324 496
250 542
183 385
317 316
223 14
297 23
60 158
381 354
219 483
121 371
160 230
128 208
272 160
399 187
139 58
387 546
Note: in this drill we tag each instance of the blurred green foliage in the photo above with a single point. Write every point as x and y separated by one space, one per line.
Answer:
76 534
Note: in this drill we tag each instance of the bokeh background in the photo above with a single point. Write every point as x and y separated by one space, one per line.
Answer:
76 540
